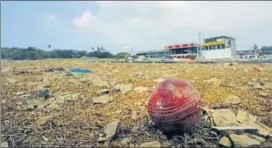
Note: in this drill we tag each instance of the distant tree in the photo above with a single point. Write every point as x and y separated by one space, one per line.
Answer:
122 55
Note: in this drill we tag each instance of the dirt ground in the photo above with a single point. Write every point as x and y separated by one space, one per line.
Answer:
79 122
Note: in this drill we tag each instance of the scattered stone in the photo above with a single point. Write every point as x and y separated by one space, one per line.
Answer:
151 144
264 95
125 141
260 139
100 83
141 89
19 103
45 139
159 80
243 116
166 144
249 83
33 104
257 87
61 97
112 82
243 141
249 129
262 129
68 74
4 144
267 86
225 141
44 120
110 130
134 115
232 100
53 106
46 83
124 88
224 117
25 96
103 91
19 93
102 99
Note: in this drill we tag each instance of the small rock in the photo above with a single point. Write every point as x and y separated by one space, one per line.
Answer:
44 120
125 141
124 88
243 116
46 83
166 144
245 128
224 117
45 139
103 91
260 139
159 80
264 95
68 74
19 93
33 103
53 106
141 89
257 87
4 144
102 99
19 103
100 83
110 130
262 129
243 141
233 100
249 83
224 141
151 144
267 86
134 115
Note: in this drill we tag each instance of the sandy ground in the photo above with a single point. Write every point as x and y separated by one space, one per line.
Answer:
78 123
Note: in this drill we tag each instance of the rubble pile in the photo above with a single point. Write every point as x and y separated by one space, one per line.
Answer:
45 105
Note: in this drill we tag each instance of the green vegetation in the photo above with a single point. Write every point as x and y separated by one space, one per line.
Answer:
32 53
122 55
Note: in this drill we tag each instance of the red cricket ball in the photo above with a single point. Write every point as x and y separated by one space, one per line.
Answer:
175 105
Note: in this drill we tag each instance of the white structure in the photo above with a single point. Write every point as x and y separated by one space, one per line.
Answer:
221 47
126 49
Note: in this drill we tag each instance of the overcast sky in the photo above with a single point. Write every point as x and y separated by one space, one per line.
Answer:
141 25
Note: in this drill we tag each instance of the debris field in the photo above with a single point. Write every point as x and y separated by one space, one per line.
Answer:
46 105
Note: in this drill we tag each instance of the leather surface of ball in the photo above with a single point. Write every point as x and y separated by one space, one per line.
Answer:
175 105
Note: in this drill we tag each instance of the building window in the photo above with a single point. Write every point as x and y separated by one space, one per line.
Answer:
218 47
210 47
214 47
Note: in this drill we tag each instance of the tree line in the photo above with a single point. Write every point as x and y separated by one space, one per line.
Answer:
32 53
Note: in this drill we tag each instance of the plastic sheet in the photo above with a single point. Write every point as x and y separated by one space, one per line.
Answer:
80 70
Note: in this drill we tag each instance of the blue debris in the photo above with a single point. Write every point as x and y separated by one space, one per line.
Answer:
80 70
